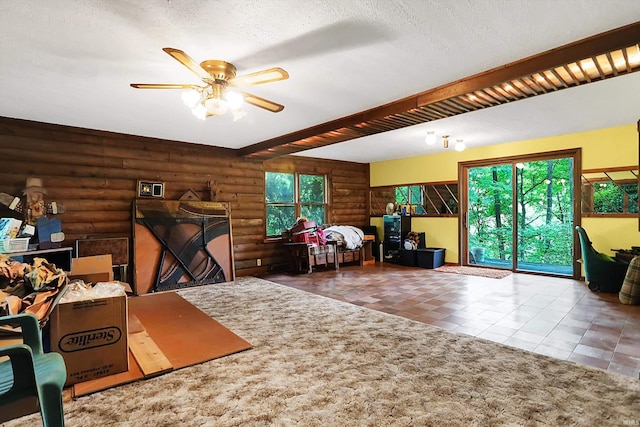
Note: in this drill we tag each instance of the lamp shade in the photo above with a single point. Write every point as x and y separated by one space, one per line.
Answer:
215 106
199 111
190 98
234 99
430 139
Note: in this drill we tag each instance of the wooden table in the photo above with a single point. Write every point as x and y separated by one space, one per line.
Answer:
366 251
625 254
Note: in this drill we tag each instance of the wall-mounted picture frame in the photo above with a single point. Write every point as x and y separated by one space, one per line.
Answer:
150 189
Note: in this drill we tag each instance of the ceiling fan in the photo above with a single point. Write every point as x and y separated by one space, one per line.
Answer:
218 94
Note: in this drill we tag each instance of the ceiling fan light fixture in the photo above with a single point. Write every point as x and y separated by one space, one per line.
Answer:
191 98
214 99
215 106
199 111
459 145
445 141
430 139
234 99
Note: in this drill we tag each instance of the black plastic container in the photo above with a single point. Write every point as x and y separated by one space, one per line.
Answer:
429 257
408 257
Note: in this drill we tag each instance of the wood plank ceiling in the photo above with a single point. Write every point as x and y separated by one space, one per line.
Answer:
606 55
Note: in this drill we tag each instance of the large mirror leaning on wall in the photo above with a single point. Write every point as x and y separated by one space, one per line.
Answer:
426 199
610 192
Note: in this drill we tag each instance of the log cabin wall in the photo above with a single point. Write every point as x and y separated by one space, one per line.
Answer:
95 175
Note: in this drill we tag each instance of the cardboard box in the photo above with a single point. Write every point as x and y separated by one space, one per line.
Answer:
91 336
92 269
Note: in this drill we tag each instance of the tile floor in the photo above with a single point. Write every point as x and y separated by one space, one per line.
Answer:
557 317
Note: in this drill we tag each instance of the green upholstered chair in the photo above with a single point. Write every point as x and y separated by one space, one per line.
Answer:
602 272
30 373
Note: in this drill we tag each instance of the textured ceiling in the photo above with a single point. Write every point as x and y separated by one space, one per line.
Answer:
71 63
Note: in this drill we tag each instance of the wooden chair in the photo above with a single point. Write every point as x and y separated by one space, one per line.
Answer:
30 374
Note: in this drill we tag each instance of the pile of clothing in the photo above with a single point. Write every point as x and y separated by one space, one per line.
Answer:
34 288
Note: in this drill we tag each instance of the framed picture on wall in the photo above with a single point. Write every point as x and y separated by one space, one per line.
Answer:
151 189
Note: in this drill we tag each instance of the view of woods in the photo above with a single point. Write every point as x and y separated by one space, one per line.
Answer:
544 207
615 198
286 201
607 192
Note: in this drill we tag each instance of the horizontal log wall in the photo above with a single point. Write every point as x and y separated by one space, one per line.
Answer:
95 174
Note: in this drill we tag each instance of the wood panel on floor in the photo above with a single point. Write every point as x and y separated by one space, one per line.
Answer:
150 358
182 333
185 334
87 387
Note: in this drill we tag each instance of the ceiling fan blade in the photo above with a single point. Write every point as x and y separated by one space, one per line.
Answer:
162 86
186 60
260 77
262 103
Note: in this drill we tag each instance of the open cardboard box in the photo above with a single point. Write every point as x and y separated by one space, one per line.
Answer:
92 269
91 335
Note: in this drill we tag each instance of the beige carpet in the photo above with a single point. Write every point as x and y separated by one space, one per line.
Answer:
473 271
321 362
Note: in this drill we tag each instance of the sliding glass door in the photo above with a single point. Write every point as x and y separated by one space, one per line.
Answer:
490 216
520 214
544 195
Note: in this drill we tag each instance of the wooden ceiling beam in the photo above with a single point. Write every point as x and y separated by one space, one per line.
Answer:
619 38
611 40
354 119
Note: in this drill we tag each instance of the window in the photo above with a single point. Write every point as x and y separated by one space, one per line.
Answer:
279 196
410 197
312 198
289 196
610 192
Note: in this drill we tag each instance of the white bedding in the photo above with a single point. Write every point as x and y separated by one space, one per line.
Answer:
352 237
